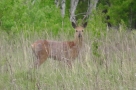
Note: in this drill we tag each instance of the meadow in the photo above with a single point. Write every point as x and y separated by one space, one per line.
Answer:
109 65
107 62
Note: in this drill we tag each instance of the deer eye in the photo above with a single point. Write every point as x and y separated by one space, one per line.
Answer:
76 31
82 30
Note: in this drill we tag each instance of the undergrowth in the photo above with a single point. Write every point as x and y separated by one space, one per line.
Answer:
112 69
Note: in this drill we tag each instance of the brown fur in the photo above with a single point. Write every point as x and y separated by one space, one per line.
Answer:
62 51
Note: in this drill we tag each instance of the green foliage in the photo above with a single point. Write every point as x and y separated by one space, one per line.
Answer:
119 10
98 29
81 8
18 15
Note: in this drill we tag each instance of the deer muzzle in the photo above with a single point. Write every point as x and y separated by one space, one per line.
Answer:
79 35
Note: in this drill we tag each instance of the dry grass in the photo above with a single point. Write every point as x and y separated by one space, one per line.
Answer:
113 69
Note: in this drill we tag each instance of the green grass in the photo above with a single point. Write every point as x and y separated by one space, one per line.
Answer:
113 69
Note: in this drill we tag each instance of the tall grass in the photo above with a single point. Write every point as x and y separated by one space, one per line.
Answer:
113 69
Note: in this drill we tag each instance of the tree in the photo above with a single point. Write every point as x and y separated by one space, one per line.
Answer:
78 8
119 11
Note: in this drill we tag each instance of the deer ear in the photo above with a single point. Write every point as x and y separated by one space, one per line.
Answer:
74 25
85 24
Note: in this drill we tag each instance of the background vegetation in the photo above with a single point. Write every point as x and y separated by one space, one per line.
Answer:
108 61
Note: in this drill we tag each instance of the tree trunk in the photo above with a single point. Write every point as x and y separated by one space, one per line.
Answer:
62 5
91 6
73 7
74 4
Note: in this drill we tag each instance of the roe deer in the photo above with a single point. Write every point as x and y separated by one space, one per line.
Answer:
62 51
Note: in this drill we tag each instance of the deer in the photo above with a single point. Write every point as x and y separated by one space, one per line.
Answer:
66 51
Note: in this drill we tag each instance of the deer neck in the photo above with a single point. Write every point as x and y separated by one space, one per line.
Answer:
78 42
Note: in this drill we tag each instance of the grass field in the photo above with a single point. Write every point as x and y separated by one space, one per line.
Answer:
113 69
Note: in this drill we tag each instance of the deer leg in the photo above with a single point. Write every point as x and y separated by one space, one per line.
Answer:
40 60
36 63
69 63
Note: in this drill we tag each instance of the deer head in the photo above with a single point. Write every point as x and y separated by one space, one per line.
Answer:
79 31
